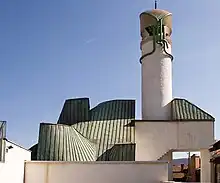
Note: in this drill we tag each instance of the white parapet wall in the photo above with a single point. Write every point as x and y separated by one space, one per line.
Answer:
12 169
95 172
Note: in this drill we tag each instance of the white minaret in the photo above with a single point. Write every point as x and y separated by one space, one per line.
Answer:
156 62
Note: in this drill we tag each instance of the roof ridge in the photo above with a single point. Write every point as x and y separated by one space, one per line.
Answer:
113 100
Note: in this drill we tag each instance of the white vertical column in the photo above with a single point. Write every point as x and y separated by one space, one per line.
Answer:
205 175
170 160
156 83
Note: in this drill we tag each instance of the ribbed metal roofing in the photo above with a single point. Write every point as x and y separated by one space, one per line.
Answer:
106 127
113 109
102 133
64 143
74 111
107 133
119 152
182 109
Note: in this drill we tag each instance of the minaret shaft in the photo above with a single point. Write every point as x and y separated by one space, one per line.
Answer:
156 84
156 65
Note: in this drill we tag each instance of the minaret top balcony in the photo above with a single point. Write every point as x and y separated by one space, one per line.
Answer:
156 23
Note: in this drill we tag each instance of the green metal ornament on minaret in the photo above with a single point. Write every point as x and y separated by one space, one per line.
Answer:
155 28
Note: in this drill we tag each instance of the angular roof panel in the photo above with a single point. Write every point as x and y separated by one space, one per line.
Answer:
64 143
74 111
119 152
107 133
113 109
102 133
106 127
182 109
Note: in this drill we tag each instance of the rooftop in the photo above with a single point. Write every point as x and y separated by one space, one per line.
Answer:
101 133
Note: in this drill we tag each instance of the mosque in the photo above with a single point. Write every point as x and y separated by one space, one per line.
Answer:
109 131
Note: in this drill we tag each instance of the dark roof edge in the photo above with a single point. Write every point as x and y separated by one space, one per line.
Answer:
80 98
132 123
112 100
33 146
17 145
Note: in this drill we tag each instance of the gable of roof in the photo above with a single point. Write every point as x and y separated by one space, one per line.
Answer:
182 109
16 144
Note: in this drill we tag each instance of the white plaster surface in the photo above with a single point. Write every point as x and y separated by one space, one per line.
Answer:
156 83
12 170
205 165
95 172
154 139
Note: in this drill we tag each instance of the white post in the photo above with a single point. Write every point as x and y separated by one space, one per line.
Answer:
205 166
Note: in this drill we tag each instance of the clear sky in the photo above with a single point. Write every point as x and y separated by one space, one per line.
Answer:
53 50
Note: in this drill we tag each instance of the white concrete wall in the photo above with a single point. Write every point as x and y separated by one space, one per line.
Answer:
154 139
95 172
156 83
205 165
12 170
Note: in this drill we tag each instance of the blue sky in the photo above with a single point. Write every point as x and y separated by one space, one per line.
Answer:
53 50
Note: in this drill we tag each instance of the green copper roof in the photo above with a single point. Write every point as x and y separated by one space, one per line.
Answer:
64 143
119 152
182 109
107 133
101 133
107 124
74 111
104 126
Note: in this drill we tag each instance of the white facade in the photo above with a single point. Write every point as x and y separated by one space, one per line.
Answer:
12 170
156 135
95 172
156 140
205 165
156 82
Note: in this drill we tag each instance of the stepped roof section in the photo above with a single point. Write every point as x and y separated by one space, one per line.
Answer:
103 125
101 133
